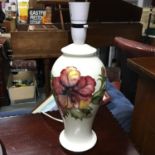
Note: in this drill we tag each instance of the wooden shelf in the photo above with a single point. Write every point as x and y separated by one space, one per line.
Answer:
59 2
52 1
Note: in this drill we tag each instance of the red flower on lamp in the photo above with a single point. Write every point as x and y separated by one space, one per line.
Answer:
74 92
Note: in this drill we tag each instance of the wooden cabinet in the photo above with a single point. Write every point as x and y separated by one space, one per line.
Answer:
4 72
143 121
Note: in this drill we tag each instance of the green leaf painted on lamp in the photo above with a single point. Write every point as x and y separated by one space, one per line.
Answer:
99 94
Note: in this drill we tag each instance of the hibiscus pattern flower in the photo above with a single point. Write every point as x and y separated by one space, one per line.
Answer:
73 92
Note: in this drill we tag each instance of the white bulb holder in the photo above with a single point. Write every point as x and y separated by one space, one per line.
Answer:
79 12
79 15
78 35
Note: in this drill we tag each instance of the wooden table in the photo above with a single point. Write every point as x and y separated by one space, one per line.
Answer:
143 124
39 135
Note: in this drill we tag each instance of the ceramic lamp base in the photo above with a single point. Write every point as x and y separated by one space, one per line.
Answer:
77 147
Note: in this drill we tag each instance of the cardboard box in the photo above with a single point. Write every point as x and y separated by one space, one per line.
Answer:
22 93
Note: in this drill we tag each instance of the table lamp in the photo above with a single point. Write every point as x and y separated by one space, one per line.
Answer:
78 84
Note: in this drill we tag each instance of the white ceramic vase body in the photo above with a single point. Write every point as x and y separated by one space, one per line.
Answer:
78 84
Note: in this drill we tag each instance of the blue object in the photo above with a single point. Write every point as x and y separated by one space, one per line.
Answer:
120 107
